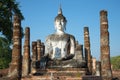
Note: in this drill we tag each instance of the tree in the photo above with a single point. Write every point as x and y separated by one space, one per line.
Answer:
5 53
115 61
7 9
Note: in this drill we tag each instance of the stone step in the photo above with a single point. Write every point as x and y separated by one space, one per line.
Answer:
58 74
51 78
61 74
62 70
87 77
67 72
65 69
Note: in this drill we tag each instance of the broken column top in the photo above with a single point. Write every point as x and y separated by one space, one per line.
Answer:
27 29
103 12
86 29
16 17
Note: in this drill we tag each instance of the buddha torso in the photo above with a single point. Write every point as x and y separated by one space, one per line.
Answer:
59 46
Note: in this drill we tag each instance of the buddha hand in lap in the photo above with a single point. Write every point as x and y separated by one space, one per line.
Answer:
60 45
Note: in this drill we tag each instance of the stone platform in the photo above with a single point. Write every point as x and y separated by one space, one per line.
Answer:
73 63
58 74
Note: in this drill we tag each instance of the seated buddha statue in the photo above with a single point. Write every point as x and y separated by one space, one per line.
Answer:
60 45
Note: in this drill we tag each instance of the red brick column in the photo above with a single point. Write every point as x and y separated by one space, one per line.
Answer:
79 49
93 65
34 57
87 49
104 47
38 49
98 68
42 49
16 63
26 55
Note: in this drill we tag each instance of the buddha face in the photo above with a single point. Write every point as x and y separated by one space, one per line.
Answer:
60 24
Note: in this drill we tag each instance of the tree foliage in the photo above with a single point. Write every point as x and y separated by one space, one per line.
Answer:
115 61
7 9
5 53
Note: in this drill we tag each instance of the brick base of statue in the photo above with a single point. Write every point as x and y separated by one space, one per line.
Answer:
58 74
59 70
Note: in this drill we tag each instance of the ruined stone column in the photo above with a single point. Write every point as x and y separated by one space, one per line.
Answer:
87 50
26 55
79 51
98 68
34 57
42 49
16 63
93 66
34 51
104 47
38 49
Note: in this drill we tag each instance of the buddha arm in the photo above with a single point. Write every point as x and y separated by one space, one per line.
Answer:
72 45
72 49
47 47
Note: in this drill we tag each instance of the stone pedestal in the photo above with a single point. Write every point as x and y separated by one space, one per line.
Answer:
16 63
59 74
73 63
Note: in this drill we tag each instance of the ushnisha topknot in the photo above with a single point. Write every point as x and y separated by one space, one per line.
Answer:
60 16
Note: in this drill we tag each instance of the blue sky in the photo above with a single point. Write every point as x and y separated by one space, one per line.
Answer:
39 16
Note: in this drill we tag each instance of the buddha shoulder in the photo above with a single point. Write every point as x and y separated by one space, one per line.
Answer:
72 37
59 37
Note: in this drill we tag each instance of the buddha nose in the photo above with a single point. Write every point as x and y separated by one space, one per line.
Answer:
60 23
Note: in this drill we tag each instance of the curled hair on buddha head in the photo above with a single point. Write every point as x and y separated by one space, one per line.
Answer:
60 17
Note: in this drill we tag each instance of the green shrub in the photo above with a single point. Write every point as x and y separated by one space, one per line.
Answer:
115 61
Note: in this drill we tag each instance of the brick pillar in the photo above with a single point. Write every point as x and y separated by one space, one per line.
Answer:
42 49
26 55
104 47
78 51
87 49
38 49
34 57
16 63
98 68
34 51
81 50
93 66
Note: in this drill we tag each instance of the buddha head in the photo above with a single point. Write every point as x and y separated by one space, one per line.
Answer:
60 21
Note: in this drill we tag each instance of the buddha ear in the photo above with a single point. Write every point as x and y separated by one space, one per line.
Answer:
55 25
65 26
